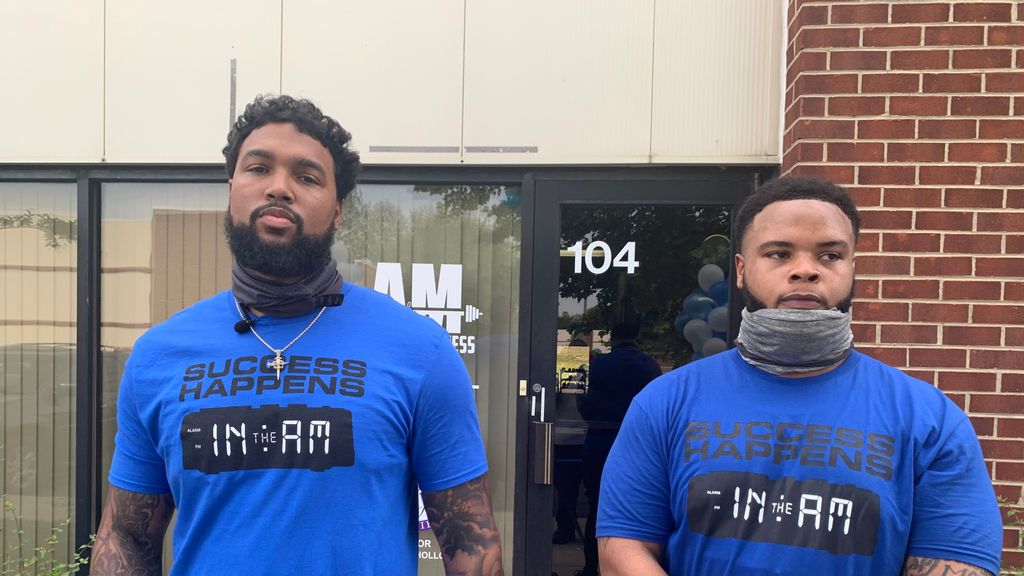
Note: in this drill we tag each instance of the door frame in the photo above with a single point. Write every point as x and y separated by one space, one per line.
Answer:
544 193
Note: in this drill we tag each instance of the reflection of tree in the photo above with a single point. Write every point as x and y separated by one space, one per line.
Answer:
495 203
56 231
672 244
495 208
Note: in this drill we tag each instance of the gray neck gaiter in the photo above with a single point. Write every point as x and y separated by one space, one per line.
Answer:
316 290
782 341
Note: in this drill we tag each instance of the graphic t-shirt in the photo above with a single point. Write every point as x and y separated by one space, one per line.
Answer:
737 471
312 472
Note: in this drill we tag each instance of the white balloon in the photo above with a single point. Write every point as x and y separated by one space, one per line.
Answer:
708 275
718 319
713 346
696 332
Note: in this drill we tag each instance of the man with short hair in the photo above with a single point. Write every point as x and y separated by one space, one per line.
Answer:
794 453
615 378
290 419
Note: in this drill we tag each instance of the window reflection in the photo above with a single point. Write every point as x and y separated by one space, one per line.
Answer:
451 252
38 275
637 286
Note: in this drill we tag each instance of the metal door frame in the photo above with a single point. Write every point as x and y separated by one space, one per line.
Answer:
544 193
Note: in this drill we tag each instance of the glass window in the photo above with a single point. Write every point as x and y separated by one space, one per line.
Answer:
451 252
163 250
641 291
38 276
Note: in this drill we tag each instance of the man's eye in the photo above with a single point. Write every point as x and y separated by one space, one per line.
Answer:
306 178
776 255
257 168
831 257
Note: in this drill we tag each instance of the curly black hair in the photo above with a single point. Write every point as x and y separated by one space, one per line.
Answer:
306 118
795 188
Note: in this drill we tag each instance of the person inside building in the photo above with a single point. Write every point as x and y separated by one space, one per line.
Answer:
794 454
289 419
568 451
615 378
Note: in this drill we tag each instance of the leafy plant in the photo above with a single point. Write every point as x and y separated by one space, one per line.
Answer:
57 231
22 559
1014 519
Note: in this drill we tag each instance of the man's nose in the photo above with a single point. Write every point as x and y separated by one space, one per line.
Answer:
805 269
279 187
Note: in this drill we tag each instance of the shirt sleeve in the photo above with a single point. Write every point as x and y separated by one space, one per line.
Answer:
635 489
956 516
137 466
447 449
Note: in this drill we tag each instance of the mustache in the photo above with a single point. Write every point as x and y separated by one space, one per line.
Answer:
753 303
260 210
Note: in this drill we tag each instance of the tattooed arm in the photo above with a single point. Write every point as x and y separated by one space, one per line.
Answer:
463 522
918 566
627 557
131 536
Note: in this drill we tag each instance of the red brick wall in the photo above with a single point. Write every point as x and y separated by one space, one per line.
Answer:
918 109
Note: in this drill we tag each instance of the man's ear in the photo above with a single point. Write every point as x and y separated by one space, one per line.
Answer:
739 270
339 214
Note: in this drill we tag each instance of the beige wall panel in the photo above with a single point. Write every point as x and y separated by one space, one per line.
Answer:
38 284
571 79
126 244
127 272
716 81
127 297
43 297
389 71
168 77
51 65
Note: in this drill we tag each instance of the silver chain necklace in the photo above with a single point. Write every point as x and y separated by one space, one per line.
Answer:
278 363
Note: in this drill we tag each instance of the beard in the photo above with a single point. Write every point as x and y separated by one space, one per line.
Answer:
300 257
754 304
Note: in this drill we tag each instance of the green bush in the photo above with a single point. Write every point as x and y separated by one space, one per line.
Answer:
22 559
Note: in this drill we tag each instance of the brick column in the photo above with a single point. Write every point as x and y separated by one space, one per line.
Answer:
918 109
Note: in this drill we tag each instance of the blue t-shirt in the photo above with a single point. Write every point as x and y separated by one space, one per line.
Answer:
737 471
315 473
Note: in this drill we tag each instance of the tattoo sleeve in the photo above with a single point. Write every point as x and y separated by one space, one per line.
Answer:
131 535
919 566
463 522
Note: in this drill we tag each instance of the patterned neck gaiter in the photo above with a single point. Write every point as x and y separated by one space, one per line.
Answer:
783 341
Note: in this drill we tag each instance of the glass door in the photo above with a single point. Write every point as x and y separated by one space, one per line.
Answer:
630 280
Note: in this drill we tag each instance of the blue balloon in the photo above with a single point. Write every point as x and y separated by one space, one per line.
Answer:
688 301
680 323
719 292
699 307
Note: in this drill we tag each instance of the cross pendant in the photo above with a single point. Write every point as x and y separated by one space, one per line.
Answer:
278 363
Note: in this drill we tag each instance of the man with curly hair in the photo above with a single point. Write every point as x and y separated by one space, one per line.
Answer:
290 419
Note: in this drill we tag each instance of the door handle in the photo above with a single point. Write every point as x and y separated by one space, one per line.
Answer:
543 446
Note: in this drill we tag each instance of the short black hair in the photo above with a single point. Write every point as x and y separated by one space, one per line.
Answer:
306 118
795 188
625 331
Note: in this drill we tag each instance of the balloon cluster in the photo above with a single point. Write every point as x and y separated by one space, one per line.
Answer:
704 319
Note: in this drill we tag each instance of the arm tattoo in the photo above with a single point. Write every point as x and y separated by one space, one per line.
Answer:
919 566
130 539
463 521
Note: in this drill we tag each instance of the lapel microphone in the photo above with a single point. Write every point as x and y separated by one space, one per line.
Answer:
245 324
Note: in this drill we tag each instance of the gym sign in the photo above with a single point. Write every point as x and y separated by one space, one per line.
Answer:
439 298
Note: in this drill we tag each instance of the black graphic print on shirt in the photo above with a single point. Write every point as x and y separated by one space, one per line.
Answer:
838 518
217 440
